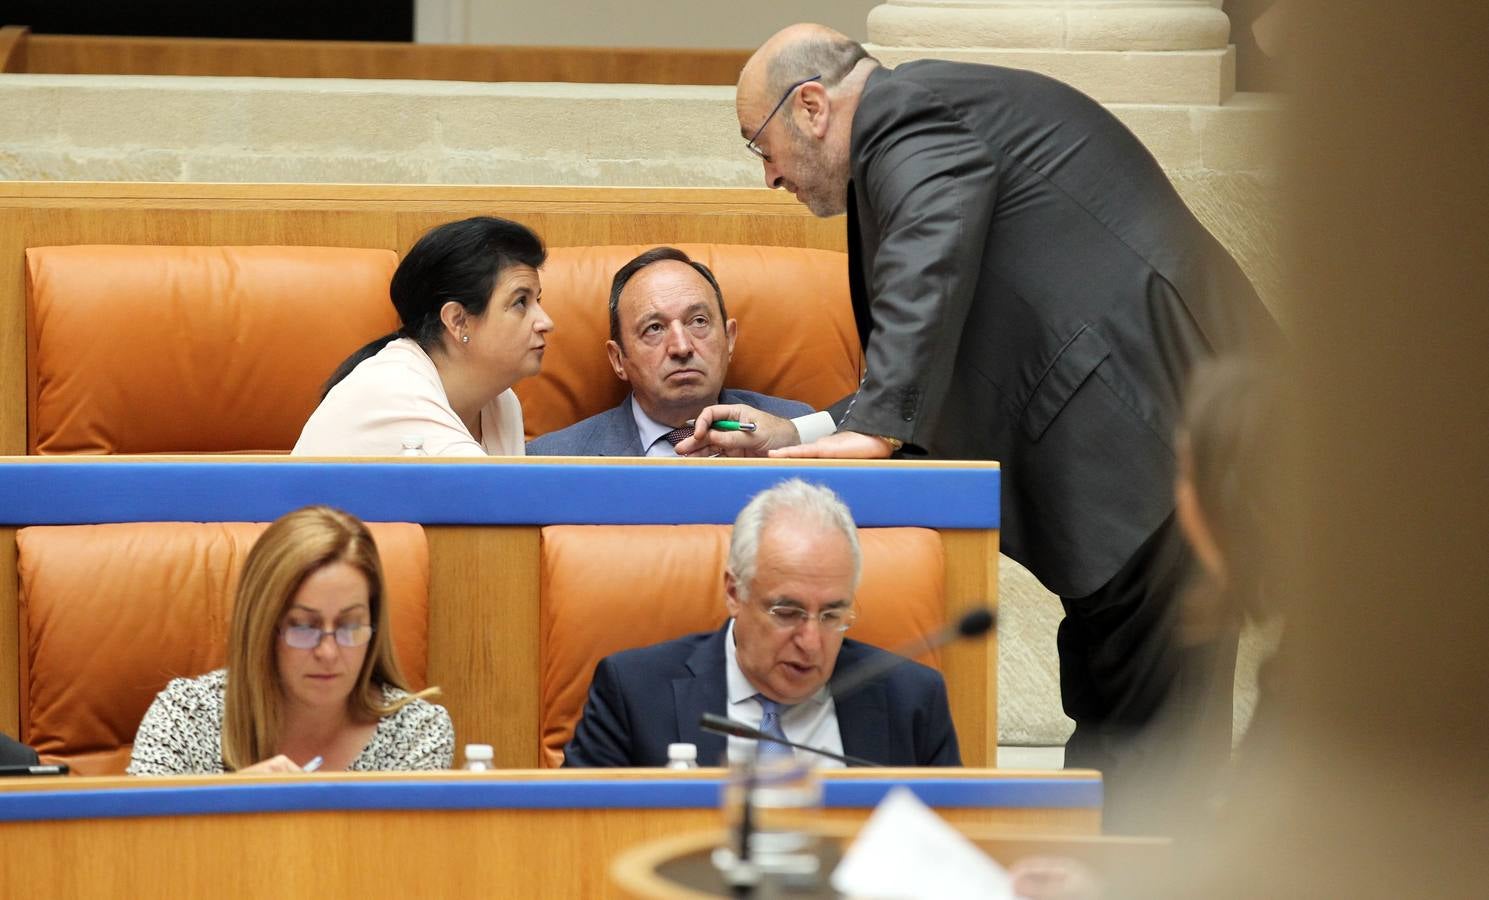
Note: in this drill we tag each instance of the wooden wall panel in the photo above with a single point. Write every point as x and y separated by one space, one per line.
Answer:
84 55
14 43
10 623
483 637
971 667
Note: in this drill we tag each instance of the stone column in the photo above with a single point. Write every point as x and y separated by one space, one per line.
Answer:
1118 51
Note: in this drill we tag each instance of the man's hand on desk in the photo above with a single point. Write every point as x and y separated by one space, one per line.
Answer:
771 432
842 445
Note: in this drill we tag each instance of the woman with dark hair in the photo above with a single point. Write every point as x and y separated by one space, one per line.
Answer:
468 296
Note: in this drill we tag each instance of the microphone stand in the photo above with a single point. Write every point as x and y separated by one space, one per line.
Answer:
729 727
742 877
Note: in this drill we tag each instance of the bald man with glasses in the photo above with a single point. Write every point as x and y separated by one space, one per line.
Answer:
793 567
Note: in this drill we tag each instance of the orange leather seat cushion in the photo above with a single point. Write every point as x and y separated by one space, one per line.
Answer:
143 349
607 588
796 339
110 613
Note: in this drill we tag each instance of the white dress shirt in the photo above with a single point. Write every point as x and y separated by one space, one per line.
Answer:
653 433
813 722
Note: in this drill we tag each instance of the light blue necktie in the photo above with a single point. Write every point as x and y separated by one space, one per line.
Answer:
770 723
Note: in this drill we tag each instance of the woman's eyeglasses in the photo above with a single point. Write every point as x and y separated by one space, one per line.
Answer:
308 637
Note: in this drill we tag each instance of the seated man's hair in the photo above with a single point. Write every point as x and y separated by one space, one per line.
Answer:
656 255
799 501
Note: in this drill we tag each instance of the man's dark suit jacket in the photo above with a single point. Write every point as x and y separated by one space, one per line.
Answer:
1031 289
642 700
613 432
14 753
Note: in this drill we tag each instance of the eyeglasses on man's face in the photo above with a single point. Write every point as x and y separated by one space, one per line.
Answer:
309 637
789 618
754 147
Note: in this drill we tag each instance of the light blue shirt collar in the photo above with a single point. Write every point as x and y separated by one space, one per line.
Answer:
650 431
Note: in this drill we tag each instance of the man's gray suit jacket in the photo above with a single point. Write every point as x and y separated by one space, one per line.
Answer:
1031 289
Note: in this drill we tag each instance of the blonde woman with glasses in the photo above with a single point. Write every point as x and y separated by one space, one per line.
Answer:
311 674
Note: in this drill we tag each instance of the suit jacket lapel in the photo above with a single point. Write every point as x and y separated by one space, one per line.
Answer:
619 436
703 691
863 716
858 258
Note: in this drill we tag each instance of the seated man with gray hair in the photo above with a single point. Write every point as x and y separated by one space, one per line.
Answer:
793 568
671 341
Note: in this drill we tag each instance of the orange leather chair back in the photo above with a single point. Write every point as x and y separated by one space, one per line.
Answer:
141 349
110 613
607 588
796 340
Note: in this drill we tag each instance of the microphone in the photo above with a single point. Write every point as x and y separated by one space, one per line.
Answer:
727 726
973 623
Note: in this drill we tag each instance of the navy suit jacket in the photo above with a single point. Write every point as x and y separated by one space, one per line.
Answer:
642 700
14 753
613 432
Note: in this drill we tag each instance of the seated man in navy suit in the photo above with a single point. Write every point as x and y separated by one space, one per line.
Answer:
792 572
671 341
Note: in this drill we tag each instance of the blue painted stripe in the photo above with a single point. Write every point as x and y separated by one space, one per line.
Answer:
60 492
22 806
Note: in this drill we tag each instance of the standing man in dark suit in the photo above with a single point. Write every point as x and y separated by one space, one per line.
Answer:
1030 289
671 341
793 568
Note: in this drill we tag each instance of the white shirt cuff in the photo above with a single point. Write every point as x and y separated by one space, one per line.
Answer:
814 426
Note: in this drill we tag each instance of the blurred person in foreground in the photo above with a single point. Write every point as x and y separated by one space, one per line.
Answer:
1230 414
311 670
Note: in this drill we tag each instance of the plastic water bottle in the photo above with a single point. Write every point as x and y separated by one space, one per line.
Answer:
478 757
682 756
413 446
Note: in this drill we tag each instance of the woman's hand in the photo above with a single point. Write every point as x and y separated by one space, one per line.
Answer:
274 765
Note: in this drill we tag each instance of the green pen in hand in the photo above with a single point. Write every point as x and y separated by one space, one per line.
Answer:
726 425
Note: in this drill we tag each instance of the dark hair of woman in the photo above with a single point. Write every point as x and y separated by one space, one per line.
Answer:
459 261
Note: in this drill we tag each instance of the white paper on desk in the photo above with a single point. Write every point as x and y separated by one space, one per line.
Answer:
907 852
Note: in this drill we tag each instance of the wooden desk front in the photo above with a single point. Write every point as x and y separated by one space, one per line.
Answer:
505 834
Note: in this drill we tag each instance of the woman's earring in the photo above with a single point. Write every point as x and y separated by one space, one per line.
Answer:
465 339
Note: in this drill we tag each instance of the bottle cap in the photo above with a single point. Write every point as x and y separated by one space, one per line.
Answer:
479 752
682 752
